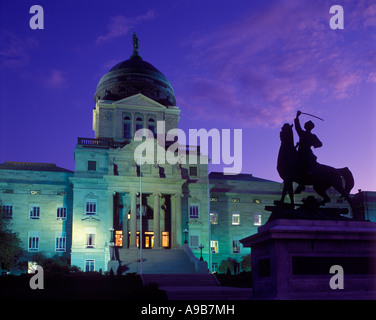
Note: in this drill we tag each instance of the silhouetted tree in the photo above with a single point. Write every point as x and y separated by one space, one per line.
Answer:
227 266
245 263
10 248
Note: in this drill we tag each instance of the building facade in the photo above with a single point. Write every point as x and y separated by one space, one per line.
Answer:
167 203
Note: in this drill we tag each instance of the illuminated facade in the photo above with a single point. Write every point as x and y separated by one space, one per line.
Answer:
59 211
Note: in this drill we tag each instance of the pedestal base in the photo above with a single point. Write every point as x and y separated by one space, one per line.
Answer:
291 259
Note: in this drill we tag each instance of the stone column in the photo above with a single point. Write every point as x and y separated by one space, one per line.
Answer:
133 219
173 222
157 225
178 229
125 226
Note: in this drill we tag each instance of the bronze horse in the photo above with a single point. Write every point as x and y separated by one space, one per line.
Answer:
322 178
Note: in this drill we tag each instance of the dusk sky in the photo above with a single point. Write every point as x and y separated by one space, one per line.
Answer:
240 64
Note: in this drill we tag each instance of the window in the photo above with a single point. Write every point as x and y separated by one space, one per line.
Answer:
214 267
213 199
91 207
213 218
139 123
165 239
89 265
235 219
7 210
193 211
33 241
90 240
119 238
235 246
151 125
193 171
91 165
61 240
34 212
127 127
61 213
214 246
193 241
235 200
257 219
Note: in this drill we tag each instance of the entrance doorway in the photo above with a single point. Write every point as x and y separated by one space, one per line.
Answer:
147 241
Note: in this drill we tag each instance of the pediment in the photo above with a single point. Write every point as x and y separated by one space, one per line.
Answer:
139 100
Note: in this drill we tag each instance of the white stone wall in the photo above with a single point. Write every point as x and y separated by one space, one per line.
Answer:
49 191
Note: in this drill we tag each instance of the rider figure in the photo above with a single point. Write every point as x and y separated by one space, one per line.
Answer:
306 158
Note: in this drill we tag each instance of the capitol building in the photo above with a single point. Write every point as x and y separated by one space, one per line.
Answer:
185 219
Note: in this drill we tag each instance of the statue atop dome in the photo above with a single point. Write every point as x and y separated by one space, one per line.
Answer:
136 46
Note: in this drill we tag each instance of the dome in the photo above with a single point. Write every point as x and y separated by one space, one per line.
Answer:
134 76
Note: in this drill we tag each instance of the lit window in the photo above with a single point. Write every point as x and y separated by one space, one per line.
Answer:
91 207
119 238
165 239
193 211
90 240
235 219
235 246
257 219
214 246
61 241
213 218
61 213
34 212
235 200
89 265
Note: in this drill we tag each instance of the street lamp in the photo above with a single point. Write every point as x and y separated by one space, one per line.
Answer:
185 235
201 247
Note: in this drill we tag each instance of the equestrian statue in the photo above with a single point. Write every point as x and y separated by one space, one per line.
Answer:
299 164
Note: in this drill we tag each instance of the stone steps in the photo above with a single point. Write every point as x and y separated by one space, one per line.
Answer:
156 261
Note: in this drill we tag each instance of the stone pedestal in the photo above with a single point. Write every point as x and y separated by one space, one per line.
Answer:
292 258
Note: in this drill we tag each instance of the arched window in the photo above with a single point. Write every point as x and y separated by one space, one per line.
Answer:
151 125
127 127
139 123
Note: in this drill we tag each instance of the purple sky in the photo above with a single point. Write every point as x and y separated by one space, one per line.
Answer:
239 64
